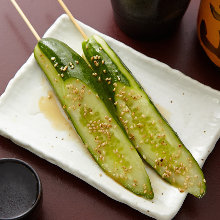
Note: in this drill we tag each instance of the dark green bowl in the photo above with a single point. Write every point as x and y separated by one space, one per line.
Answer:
148 18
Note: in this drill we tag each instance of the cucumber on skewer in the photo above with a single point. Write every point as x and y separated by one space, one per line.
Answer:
81 96
150 133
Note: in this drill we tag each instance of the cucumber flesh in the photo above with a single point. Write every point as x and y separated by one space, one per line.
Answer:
150 133
78 92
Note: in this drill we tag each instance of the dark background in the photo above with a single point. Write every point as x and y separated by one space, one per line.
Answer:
65 196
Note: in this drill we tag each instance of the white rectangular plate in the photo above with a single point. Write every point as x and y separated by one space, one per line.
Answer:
192 109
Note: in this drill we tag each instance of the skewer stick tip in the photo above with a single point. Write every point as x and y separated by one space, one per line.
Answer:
26 20
73 19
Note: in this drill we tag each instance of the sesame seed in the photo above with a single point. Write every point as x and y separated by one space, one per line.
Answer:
96 63
181 190
65 68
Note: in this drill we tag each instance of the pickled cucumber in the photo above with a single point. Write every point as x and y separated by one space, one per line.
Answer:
150 133
81 97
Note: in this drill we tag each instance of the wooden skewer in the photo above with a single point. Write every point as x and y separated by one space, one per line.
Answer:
26 20
72 19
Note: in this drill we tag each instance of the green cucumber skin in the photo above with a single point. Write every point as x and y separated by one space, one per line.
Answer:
117 157
81 71
114 67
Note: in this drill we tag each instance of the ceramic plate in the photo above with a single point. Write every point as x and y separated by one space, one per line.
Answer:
36 122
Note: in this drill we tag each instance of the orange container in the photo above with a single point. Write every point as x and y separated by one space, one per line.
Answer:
208 28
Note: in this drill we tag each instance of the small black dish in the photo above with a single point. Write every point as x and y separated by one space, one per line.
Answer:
20 189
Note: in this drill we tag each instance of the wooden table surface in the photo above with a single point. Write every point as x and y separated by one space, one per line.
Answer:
65 196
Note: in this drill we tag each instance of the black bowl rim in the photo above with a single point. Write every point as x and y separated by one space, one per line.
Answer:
18 161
